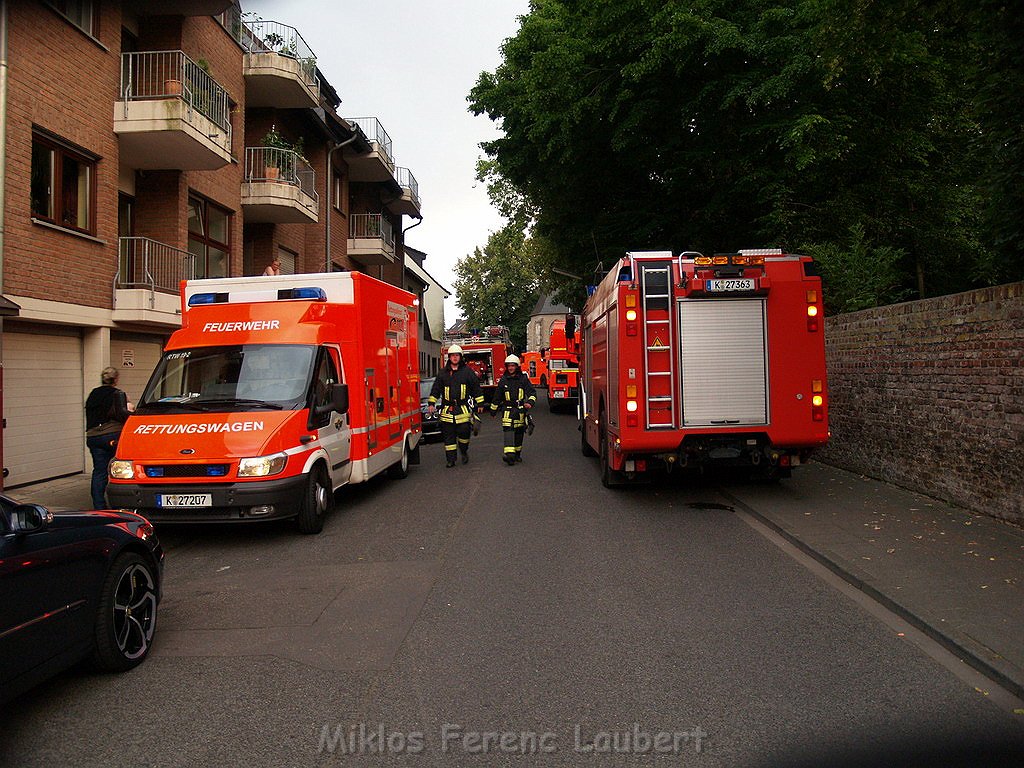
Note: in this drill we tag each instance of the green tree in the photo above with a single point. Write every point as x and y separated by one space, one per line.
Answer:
715 125
499 284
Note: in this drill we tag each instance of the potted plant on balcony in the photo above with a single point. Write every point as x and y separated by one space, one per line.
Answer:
278 162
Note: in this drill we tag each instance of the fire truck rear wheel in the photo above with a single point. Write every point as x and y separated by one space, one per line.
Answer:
317 502
400 469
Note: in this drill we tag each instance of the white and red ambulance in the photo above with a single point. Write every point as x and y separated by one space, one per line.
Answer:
275 392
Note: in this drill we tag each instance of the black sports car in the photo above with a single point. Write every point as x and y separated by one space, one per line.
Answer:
74 585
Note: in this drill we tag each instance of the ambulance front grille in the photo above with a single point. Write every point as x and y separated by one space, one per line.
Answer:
188 470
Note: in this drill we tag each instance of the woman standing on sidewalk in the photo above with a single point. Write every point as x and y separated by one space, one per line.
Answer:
106 411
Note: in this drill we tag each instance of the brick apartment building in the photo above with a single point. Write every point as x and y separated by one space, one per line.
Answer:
148 141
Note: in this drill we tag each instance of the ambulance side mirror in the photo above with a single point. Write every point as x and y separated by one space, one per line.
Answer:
339 398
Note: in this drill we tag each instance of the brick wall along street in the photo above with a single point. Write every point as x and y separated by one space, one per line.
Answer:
930 395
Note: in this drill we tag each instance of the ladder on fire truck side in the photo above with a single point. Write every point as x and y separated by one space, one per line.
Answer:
659 357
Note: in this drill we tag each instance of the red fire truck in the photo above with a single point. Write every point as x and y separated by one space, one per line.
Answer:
536 367
704 360
563 359
484 351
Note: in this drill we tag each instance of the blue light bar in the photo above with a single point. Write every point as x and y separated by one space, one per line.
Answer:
309 294
197 299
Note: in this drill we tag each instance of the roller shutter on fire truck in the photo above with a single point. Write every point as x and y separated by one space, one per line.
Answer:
723 362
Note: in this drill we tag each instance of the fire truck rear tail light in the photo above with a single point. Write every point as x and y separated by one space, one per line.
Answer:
812 324
812 310
630 299
784 460
631 329
631 406
817 400
741 260
812 297
631 420
631 315
631 390
720 260
702 261
816 386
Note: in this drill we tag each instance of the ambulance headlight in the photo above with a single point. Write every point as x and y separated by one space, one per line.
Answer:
262 466
121 469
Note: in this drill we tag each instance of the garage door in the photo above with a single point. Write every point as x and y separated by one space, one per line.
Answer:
135 357
43 407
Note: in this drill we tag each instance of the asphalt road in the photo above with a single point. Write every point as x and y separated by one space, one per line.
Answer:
461 606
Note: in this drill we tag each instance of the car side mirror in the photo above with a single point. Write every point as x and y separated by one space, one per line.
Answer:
28 518
339 398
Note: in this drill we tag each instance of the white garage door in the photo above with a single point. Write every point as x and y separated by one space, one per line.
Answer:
43 407
135 357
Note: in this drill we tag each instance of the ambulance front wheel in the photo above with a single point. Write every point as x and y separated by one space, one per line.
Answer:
317 502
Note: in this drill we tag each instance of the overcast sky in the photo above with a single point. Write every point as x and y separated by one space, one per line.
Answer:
411 64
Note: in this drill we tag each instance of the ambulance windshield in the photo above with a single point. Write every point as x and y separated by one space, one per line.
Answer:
241 377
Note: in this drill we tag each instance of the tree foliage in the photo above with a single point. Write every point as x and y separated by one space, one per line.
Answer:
499 284
714 125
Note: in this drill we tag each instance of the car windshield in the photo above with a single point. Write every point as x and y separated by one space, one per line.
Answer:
425 386
240 377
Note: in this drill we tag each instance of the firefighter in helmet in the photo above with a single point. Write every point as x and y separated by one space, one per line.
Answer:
513 398
456 392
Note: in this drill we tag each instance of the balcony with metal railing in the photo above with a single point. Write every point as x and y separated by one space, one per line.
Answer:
371 239
171 114
279 187
280 67
408 203
378 164
147 283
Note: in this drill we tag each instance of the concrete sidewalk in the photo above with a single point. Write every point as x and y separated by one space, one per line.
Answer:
71 492
955 575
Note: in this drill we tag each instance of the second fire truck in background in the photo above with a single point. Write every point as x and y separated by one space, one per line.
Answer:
484 351
563 362
536 367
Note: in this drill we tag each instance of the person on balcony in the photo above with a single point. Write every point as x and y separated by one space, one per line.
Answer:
273 269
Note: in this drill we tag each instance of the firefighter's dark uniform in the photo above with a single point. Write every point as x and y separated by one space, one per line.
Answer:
456 394
514 395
